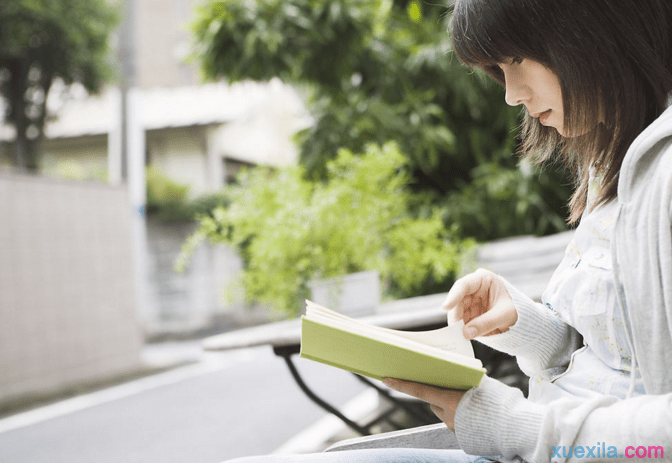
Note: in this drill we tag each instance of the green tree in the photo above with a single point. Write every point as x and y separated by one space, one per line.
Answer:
379 70
44 40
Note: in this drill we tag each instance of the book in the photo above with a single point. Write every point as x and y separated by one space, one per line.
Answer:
441 357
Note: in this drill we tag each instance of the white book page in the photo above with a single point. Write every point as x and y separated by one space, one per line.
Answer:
448 338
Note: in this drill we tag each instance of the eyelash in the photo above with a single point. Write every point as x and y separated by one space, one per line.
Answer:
497 72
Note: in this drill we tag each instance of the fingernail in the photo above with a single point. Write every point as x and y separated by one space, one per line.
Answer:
471 332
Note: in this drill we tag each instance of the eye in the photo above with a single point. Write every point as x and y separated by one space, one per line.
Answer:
517 60
496 72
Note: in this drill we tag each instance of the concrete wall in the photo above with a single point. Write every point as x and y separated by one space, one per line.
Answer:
67 296
195 301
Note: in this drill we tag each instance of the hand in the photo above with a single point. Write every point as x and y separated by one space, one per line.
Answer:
482 301
443 402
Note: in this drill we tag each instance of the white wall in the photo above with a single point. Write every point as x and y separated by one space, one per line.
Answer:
67 294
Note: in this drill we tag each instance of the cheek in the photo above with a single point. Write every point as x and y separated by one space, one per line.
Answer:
558 120
552 88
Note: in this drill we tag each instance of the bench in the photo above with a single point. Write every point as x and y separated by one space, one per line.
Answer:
527 262
418 313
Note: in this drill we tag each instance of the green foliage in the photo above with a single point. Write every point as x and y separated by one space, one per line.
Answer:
501 201
388 75
168 200
43 40
375 71
381 70
261 39
72 170
292 230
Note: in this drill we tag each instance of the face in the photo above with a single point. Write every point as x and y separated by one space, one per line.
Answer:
538 88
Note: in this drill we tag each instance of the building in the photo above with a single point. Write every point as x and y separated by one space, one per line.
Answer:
198 135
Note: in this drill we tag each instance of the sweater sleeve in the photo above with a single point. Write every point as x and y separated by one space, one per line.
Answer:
496 420
540 339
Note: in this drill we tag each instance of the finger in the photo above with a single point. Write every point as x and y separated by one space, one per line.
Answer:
462 289
472 308
495 320
458 313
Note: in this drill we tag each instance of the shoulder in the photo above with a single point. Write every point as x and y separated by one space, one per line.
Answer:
647 167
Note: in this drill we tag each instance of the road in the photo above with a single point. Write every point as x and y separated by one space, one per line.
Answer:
227 405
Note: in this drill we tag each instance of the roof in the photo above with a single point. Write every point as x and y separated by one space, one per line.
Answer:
78 114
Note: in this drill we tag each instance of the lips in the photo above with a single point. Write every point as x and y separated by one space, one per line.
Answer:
542 116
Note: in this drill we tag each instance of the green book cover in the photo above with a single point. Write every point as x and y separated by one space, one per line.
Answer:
426 357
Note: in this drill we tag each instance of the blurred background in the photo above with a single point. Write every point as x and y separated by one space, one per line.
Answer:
172 169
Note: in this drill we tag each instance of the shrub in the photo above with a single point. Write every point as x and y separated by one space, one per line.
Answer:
168 200
290 230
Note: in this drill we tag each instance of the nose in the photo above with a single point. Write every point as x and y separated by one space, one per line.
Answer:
517 92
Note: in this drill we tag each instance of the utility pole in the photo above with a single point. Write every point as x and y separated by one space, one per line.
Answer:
128 76
131 159
132 129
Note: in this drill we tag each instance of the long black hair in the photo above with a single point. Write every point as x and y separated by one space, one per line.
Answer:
614 62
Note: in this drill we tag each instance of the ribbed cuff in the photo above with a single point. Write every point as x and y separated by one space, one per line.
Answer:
495 420
534 335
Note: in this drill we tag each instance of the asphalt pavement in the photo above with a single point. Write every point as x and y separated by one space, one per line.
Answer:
217 407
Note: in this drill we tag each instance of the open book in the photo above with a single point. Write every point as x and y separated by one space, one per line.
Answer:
440 357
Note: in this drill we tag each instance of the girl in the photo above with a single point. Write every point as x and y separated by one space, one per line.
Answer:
594 79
